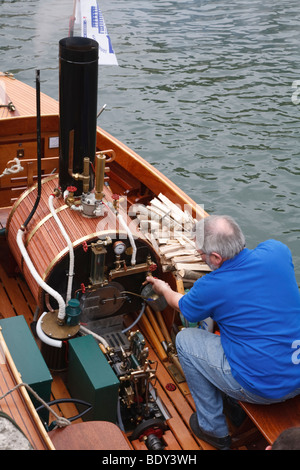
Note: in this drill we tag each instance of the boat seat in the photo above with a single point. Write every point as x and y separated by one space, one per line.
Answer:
272 420
90 435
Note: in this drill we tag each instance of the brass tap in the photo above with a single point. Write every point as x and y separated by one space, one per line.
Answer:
70 200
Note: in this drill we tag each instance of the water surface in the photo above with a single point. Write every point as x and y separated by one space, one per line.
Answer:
203 91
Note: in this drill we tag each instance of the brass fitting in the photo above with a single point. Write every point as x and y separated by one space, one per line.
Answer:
70 200
100 171
85 176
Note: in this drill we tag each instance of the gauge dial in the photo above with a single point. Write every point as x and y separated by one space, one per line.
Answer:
119 247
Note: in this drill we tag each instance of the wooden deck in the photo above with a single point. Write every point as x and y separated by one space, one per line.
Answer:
23 98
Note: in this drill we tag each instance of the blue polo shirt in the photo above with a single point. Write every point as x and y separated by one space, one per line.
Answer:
255 300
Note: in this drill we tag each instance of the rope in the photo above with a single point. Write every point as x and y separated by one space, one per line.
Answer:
16 168
60 420
7 74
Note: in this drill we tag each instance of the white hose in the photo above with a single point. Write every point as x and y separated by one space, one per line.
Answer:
38 279
131 239
43 337
97 337
70 246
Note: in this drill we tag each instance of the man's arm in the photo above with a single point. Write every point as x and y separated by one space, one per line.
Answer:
162 288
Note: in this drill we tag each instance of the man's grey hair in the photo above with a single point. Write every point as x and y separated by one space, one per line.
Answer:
220 234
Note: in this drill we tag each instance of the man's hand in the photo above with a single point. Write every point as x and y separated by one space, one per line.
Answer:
159 286
162 288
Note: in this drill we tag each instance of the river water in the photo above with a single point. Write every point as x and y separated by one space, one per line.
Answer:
207 91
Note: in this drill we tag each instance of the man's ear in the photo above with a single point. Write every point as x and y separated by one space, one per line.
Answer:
217 259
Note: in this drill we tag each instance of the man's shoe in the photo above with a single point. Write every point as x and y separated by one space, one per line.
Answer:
233 411
221 443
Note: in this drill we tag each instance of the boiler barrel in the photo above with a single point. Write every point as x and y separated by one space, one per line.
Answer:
48 249
44 242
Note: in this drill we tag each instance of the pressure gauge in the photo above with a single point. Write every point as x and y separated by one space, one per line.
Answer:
119 247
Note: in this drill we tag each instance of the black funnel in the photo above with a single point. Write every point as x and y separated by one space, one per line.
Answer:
78 90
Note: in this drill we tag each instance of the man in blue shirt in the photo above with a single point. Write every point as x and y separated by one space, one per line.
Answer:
254 298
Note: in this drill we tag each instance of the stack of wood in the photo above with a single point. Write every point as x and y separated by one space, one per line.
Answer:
169 230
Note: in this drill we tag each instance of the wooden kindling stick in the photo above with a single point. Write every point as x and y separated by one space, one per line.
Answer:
163 327
156 327
153 338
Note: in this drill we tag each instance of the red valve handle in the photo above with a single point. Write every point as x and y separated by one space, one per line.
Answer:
152 267
72 189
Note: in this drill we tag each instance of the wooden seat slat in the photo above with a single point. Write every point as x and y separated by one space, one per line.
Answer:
90 435
272 420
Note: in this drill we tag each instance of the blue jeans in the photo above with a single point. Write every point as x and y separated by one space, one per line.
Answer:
208 374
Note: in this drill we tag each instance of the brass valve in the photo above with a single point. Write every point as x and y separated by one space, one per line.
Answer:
85 176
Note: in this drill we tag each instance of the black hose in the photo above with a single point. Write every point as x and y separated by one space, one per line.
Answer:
39 156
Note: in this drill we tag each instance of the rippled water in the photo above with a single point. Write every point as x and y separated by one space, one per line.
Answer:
203 91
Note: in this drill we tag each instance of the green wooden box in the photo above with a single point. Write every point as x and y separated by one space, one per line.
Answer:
27 357
90 378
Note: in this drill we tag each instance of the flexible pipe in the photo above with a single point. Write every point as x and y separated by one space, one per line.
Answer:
130 236
70 246
85 330
38 279
43 337
136 320
119 416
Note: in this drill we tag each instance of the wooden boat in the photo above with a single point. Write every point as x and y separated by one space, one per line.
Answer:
129 200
